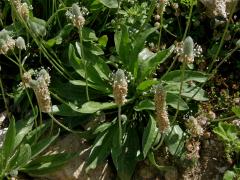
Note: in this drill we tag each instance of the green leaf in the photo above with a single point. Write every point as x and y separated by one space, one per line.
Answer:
97 70
92 107
24 155
145 105
123 46
38 26
236 110
104 89
93 48
173 99
149 136
227 132
149 65
125 159
9 140
229 175
23 127
63 34
174 141
47 164
187 90
146 85
102 41
191 91
100 150
89 34
78 65
176 76
42 145
33 135
110 3
64 110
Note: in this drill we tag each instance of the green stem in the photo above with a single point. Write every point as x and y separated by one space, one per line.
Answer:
169 69
151 158
225 119
160 30
120 125
214 71
4 99
51 59
160 142
180 90
82 134
85 63
223 38
189 20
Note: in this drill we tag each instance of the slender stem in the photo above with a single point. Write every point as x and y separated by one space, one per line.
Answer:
160 30
4 99
223 38
214 71
189 20
51 59
169 69
12 60
82 134
180 92
85 63
225 119
120 125
151 158
160 142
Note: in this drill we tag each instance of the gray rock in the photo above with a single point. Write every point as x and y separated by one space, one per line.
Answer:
75 169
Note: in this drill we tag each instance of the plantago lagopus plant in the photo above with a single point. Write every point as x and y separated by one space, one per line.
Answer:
120 90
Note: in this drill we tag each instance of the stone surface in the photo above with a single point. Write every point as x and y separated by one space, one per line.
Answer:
219 8
75 169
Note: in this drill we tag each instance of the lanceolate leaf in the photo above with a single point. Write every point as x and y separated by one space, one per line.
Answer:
146 85
110 3
92 107
176 102
150 65
23 127
24 155
149 135
176 76
127 157
42 145
175 141
123 46
145 105
9 140
101 149
47 163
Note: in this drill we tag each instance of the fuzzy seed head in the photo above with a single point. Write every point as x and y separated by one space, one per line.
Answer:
78 22
76 15
43 95
20 43
120 87
23 10
161 109
40 87
6 42
238 43
188 50
194 128
76 10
